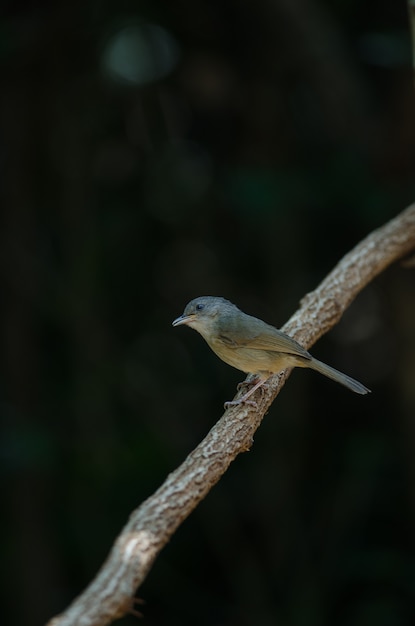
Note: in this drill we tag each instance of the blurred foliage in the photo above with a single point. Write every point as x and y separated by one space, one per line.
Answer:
152 152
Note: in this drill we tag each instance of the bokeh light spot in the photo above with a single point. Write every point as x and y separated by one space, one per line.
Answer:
139 53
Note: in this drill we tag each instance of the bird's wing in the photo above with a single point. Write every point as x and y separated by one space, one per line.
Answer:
258 335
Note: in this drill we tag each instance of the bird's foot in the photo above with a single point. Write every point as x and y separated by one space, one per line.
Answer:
248 383
258 383
238 402
244 383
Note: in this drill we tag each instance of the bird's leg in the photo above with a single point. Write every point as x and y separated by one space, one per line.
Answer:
248 383
244 399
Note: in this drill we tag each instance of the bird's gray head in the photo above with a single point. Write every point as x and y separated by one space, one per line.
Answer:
202 313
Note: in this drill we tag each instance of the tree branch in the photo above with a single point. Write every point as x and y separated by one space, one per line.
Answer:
150 526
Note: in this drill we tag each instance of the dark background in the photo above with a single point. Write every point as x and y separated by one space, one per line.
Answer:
151 152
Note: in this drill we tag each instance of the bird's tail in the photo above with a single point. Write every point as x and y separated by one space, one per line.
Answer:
337 376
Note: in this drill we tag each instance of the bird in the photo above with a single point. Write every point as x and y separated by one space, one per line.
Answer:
251 345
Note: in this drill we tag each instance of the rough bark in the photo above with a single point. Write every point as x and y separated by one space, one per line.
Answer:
110 595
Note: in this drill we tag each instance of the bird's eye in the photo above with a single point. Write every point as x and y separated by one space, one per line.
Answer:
199 307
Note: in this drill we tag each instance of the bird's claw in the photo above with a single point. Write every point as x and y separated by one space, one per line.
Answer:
230 403
257 383
246 383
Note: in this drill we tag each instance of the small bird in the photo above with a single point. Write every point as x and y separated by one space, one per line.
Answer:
252 346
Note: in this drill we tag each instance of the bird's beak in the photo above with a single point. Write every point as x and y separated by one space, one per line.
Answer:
183 319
